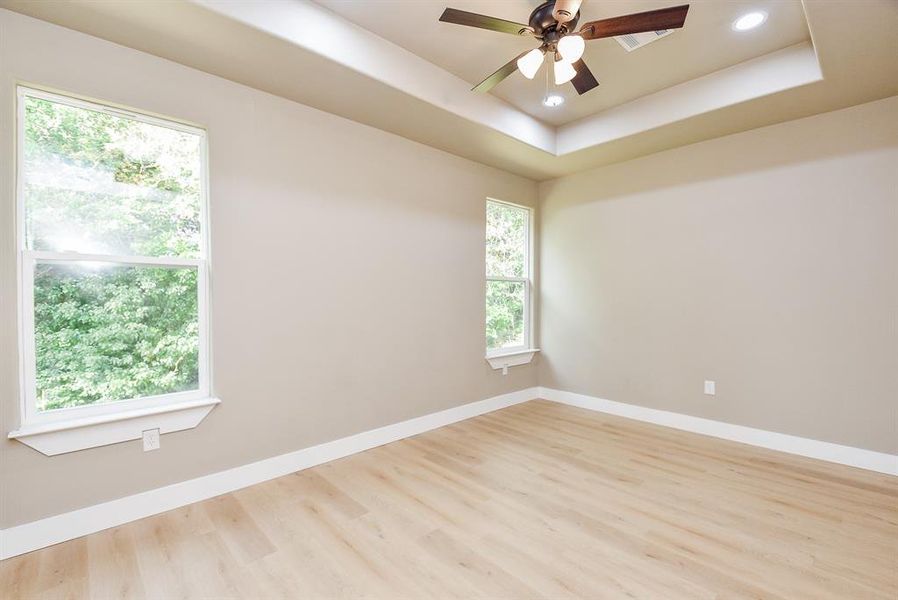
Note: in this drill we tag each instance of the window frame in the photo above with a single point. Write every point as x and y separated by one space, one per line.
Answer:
27 260
527 345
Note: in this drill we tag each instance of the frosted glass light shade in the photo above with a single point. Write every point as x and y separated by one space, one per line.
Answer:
571 48
564 72
530 63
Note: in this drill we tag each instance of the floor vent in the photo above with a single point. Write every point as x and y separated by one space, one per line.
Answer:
632 41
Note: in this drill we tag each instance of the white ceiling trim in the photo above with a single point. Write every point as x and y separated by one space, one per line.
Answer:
318 30
788 68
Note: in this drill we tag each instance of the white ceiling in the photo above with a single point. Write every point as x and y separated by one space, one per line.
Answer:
706 44
301 51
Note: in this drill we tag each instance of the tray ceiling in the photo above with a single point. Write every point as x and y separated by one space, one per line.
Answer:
702 82
706 44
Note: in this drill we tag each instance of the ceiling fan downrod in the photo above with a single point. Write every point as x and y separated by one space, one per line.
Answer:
566 10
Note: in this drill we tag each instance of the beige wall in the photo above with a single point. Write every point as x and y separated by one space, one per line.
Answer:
766 261
347 281
348 276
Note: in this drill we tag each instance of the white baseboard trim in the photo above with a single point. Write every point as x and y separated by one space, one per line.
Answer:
53 530
837 453
60 528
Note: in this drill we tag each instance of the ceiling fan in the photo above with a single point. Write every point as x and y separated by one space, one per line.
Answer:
554 23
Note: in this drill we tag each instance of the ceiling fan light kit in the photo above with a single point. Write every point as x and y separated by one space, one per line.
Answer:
564 71
530 63
554 23
571 47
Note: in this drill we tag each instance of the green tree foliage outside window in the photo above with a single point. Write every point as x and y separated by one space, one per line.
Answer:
101 184
507 247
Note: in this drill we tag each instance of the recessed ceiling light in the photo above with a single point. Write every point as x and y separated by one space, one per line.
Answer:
749 21
553 101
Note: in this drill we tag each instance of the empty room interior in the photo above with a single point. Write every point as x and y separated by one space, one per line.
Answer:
396 299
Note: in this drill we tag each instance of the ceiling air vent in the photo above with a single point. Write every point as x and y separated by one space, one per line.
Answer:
632 41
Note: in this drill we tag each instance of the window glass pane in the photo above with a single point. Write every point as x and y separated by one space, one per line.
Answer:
504 314
506 240
98 183
107 332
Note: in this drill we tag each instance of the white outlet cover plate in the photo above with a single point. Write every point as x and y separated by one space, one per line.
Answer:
710 388
151 440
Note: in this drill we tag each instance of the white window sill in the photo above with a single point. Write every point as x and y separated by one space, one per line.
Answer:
511 359
79 434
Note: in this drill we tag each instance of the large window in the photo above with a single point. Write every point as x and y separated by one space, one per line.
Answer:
113 259
508 285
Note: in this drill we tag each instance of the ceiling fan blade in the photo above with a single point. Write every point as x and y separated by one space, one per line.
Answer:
503 72
461 17
584 80
653 20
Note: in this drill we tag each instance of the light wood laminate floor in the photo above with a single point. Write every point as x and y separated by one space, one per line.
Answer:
539 500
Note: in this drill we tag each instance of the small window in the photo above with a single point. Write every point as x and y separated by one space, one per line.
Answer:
508 285
112 230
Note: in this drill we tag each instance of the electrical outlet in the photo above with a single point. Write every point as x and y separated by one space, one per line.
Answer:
151 440
710 388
